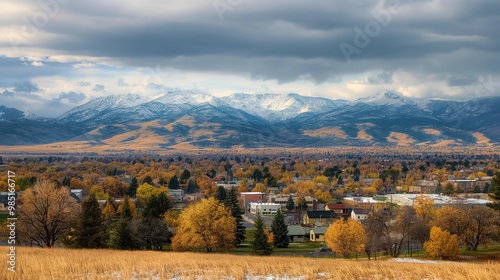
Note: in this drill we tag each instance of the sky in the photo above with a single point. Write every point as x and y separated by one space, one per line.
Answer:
58 54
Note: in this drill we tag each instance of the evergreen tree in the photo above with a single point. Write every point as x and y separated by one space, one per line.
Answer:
439 189
220 193
494 192
185 175
90 229
280 231
232 203
133 187
192 187
260 244
476 189
148 180
122 235
290 204
173 184
156 206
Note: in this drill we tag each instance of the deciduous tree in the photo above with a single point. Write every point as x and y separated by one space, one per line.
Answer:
442 244
46 213
207 224
346 237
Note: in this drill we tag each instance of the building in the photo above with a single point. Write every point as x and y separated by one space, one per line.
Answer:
467 186
358 214
177 194
249 197
312 203
439 200
317 234
296 233
424 186
264 208
321 217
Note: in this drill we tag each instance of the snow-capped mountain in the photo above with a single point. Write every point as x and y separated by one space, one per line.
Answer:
279 107
178 117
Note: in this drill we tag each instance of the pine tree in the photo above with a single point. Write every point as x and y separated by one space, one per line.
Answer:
220 193
90 229
133 187
280 231
156 206
494 192
185 175
260 244
232 203
192 187
290 204
122 236
173 184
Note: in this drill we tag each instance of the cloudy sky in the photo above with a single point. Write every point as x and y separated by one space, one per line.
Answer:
57 54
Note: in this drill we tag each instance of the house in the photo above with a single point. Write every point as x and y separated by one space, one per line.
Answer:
338 208
249 197
424 186
323 217
358 214
317 234
193 197
264 208
312 203
177 194
273 190
78 194
296 233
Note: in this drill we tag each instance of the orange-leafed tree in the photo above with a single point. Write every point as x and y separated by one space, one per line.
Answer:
442 244
46 213
207 224
346 237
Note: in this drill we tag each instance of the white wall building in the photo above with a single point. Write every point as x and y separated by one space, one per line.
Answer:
264 208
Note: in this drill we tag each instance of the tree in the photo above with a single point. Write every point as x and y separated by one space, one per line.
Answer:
192 187
90 230
173 184
133 187
145 191
233 204
301 204
442 244
346 237
148 180
152 233
220 193
439 189
156 206
46 213
109 210
424 207
448 188
207 224
290 204
454 220
483 226
185 175
494 192
280 231
122 235
261 245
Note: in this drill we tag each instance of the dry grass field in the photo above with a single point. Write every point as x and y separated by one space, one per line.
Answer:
34 263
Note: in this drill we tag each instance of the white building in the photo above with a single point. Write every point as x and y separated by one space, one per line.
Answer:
264 208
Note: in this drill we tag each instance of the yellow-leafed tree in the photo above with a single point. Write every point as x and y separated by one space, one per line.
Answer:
424 207
346 237
207 224
442 244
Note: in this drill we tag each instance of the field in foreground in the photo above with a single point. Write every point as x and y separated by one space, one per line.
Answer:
34 263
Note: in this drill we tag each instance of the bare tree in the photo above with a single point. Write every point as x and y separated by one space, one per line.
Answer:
46 213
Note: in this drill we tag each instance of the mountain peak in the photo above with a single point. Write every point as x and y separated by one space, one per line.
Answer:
387 98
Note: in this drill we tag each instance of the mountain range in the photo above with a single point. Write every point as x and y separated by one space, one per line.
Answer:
180 119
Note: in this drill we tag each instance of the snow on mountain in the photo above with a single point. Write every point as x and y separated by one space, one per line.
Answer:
188 97
278 107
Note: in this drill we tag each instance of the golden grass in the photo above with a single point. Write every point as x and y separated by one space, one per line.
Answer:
364 136
480 138
432 131
35 263
400 139
326 132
